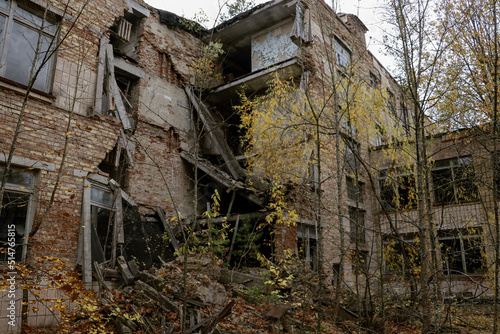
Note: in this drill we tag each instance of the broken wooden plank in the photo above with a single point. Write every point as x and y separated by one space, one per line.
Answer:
125 146
99 277
120 108
118 153
118 233
168 229
132 265
115 102
124 271
234 236
224 180
144 322
85 249
217 136
219 318
156 296
101 69
191 301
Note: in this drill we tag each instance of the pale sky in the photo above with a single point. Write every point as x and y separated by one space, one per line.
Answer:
369 11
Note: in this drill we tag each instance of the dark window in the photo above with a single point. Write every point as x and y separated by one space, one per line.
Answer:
402 254
101 209
454 181
306 243
380 136
16 213
374 80
391 103
397 189
352 152
337 274
342 54
23 32
462 251
354 190
357 225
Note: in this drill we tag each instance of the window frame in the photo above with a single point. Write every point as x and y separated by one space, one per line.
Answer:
339 45
396 174
354 189
307 233
24 189
456 182
352 149
357 225
460 235
7 35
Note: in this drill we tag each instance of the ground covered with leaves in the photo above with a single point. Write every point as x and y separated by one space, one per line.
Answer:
199 296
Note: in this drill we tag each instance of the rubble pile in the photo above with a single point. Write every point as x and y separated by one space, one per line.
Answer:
215 298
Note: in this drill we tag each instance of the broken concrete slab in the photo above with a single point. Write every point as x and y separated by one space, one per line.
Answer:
234 277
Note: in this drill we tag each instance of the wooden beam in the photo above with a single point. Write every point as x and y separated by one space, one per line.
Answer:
115 102
169 231
86 233
223 179
217 136
101 69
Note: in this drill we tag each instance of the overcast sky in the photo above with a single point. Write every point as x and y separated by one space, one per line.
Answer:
369 11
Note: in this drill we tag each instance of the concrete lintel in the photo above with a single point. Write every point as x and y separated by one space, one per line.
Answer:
30 163
133 70
137 9
80 173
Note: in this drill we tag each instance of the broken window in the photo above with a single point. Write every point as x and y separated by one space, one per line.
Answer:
374 80
401 254
23 29
306 242
124 35
101 210
17 213
397 189
404 118
101 234
380 135
391 103
354 190
342 54
357 225
337 274
351 159
462 251
454 181
127 88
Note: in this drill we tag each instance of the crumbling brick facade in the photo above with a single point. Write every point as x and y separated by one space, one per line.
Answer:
125 107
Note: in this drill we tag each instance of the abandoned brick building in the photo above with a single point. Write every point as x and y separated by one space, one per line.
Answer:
112 117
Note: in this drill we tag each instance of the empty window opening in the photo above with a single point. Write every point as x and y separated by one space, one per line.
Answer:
17 213
462 251
354 190
23 29
307 245
397 189
454 181
124 35
357 225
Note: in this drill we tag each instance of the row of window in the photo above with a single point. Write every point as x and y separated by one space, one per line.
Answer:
453 181
462 253
17 215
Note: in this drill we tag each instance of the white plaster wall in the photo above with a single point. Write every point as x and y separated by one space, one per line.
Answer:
273 46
